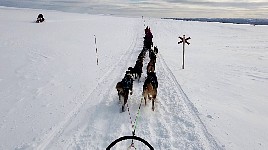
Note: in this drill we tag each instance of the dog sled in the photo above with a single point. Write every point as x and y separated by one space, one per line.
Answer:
132 144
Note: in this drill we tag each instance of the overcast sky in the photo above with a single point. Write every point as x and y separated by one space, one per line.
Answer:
154 8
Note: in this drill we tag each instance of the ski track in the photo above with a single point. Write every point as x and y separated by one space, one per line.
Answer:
174 124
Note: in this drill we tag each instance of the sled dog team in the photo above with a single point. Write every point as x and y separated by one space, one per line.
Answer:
125 86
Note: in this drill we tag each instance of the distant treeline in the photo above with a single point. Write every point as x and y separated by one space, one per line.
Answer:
251 21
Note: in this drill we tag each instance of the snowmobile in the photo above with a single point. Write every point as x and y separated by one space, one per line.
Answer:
40 18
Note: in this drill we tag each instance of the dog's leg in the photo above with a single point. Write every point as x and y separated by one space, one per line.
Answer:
123 108
153 104
126 92
144 96
119 95
145 100
153 101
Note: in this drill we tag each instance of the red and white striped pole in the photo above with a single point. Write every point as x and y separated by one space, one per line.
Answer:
96 49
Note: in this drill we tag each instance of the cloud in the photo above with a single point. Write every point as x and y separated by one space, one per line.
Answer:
153 8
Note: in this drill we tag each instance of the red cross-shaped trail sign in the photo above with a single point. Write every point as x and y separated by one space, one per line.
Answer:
183 41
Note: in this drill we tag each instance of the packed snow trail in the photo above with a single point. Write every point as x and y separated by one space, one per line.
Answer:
173 125
62 100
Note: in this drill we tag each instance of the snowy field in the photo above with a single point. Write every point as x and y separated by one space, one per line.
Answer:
53 95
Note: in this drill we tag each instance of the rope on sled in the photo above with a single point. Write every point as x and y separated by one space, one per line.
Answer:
136 120
134 126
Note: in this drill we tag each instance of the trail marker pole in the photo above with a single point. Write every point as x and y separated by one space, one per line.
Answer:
143 22
96 49
183 41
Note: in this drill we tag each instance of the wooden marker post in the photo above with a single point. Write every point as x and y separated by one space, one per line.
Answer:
183 41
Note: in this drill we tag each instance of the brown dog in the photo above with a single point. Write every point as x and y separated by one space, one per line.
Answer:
149 92
150 67
120 91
